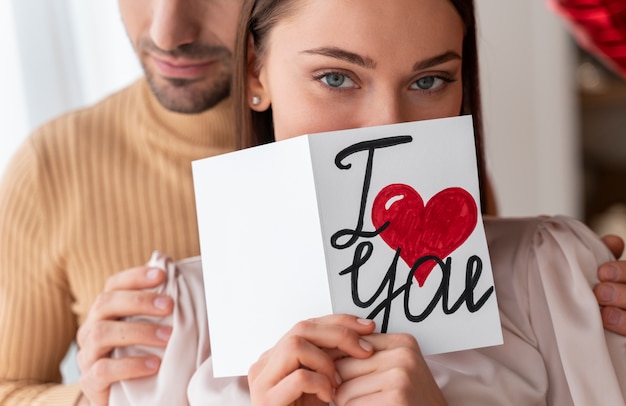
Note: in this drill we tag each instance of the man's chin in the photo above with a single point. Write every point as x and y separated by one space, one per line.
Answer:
189 97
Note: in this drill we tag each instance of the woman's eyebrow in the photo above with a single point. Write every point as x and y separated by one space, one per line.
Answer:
436 60
344 55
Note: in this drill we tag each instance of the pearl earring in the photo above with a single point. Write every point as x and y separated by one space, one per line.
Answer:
256 100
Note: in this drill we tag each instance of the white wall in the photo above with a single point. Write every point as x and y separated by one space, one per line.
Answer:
58 55
529 106
104 55
12 103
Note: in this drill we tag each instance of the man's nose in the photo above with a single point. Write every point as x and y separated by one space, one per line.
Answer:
174 23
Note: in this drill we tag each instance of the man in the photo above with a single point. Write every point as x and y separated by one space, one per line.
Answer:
95 191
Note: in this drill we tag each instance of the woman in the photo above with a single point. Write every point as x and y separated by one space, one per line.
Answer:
332 82
339 72
307 66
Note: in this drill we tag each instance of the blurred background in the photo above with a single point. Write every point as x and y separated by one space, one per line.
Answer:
555 118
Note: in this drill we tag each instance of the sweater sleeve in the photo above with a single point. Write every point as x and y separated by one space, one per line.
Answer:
599 26
36 320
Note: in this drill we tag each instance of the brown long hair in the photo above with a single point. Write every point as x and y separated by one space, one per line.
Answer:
256 21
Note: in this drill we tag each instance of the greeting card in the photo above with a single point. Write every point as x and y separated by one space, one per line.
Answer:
380 222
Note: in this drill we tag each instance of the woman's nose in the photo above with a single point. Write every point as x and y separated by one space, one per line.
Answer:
387 109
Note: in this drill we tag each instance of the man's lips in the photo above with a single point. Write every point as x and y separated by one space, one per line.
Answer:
181 69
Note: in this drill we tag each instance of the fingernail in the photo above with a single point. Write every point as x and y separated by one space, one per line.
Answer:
152 363
366 322
609 273
338 378
613 316
161 302
367 346
164 333
153 273
607 293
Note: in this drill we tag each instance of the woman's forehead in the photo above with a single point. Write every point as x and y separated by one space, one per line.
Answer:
382 27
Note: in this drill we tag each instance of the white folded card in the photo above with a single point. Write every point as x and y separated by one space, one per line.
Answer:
380 222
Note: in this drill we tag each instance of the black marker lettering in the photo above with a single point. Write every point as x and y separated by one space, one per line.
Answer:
369 146
365 249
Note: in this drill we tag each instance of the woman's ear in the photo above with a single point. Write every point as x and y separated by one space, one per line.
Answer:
258 97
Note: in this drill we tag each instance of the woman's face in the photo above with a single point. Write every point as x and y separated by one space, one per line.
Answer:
338 64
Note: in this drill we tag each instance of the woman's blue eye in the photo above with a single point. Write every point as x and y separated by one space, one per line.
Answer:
335 79
428 83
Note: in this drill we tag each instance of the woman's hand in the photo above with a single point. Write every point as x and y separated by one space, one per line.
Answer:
300 368
396 374
103 331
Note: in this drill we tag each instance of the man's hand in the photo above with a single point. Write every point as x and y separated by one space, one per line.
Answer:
611 291
102 331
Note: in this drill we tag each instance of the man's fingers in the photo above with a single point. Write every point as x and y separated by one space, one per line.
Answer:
107 370
126 294
106 335
125 303
96 381
141 277
615 244
614 320
614 271
611 294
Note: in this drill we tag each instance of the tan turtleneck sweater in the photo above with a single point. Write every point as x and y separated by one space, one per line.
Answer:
89 194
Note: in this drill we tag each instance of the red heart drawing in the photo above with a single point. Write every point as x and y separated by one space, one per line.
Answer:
437 229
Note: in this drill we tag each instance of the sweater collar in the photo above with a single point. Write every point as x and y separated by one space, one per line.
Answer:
212 129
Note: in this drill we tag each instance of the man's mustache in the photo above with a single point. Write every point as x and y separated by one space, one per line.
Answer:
188 51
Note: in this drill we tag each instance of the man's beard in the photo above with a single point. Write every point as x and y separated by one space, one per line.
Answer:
190 96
